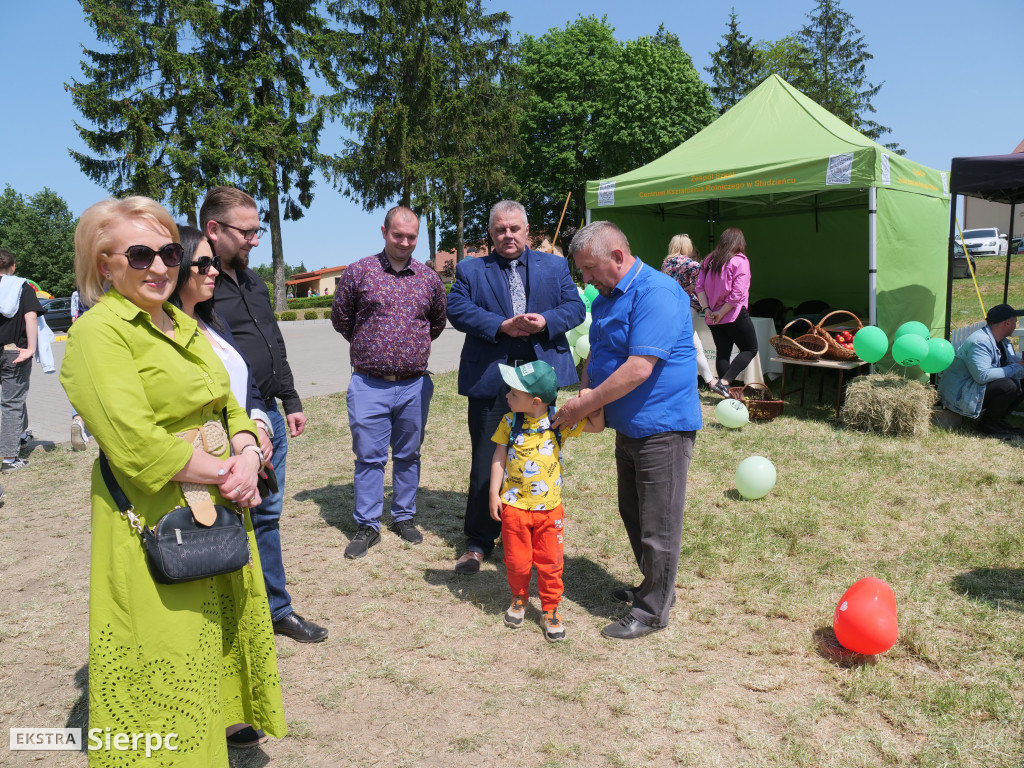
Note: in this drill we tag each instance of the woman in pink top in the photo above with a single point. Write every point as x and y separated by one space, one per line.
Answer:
723 290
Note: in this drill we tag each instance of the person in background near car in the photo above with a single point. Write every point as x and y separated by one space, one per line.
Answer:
19 309
642 370
984 380
514 305
231 220
79 434
389 307
683 265
723 293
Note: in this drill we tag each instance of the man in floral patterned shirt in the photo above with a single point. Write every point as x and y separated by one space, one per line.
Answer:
389 307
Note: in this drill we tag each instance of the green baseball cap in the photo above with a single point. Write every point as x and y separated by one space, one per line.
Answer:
536 378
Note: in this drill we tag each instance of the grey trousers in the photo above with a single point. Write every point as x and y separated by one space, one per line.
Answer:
13 394
652 495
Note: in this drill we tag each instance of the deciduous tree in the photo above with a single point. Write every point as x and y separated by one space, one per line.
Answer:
40 232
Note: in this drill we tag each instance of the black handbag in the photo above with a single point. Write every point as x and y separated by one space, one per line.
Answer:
178 548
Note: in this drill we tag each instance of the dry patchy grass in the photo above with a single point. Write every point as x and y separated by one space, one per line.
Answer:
420 671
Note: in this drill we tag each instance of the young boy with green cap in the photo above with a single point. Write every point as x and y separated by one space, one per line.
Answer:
526 490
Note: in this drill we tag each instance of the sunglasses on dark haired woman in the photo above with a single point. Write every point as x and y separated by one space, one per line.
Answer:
203 264
142 256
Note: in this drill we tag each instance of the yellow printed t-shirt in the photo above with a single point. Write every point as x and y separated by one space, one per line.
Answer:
533 474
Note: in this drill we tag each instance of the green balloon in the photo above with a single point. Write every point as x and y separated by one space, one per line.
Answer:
909 349
732 413
913 327
755 477
582 346
940 355
870 343
589 294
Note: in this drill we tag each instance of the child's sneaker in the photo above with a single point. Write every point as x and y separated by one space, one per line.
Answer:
516 613
552 623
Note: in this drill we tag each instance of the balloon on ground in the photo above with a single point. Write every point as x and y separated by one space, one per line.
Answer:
732 413
909 349
870 343
865 618
755 477
940 356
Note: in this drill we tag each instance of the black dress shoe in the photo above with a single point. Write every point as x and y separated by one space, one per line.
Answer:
628 628
299 629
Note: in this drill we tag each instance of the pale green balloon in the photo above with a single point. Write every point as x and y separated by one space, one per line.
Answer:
755 477
732 413
582 347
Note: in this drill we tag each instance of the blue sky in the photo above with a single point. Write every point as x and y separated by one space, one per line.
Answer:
949 89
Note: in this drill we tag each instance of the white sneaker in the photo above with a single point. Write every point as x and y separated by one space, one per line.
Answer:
79 438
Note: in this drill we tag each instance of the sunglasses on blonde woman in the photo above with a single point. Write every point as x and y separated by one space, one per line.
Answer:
203 264
142 256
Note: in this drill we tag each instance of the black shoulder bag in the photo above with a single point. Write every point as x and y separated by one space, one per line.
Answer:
178 547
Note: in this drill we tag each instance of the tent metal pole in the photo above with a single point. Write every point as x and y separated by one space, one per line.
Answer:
872 255
1009 242
949 265
588 215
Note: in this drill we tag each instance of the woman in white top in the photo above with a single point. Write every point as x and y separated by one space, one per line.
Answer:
194 295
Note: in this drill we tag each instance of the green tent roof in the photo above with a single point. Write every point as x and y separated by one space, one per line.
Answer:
774 140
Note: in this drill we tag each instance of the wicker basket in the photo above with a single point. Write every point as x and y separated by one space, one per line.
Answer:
834 351
761 403
810 346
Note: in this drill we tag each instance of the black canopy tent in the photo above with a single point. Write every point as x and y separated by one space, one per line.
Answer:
998 178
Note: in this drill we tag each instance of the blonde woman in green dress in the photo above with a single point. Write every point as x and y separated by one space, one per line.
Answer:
184 659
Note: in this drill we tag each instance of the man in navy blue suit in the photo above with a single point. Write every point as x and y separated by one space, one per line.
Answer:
514 305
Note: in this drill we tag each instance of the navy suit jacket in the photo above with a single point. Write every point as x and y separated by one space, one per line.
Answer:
479 303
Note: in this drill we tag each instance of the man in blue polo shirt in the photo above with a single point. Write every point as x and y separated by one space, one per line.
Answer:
643 370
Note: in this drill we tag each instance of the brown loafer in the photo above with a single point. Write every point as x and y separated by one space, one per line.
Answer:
469 562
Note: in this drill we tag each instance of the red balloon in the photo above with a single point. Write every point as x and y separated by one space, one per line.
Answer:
865 619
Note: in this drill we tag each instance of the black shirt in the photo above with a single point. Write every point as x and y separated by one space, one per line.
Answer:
12 329
246 308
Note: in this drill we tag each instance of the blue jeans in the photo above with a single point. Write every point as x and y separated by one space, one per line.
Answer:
385 413
266 519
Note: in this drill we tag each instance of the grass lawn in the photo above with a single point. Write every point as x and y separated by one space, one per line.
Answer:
420 671
991 275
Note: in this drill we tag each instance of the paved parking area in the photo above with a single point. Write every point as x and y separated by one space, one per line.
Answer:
318 356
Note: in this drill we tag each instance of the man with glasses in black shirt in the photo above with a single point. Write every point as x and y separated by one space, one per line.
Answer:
230 218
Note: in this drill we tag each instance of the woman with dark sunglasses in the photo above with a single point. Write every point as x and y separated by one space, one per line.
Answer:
188 658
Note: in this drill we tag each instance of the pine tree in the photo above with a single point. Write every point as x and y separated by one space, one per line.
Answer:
194 94
734 66
425 102
837 77
143 96
266 132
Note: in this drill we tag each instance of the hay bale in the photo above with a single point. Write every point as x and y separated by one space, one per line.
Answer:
890 404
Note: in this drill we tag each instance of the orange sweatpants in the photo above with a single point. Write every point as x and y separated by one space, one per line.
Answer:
533 537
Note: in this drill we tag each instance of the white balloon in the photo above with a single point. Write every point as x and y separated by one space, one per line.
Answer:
582 347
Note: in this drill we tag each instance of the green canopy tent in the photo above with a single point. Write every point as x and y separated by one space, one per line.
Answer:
827 213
